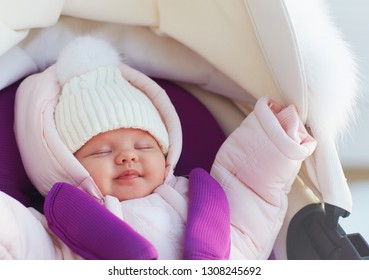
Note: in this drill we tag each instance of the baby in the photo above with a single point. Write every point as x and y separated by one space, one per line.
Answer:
112 132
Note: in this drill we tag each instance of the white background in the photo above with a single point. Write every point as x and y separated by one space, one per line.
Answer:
352 17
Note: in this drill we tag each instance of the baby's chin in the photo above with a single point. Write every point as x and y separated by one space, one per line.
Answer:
135 194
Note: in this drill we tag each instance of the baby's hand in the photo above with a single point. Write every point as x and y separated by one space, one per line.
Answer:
291 123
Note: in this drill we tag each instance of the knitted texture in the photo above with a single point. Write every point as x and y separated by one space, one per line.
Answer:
89 229
100 99
207 235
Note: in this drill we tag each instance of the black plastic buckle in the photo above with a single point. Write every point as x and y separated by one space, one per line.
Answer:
315 234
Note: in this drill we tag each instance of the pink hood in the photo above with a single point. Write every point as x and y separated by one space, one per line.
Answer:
46 158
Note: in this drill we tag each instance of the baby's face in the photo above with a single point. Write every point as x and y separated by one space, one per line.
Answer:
125 163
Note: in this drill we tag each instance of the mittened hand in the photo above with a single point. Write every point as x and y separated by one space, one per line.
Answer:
282 126
293 127
89 229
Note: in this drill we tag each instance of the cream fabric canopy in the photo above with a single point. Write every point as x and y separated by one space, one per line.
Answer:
242 49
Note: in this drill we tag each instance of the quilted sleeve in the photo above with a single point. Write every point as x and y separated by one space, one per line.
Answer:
256 166
22 235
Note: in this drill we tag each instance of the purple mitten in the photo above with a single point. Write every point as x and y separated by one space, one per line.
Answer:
207 233
89 229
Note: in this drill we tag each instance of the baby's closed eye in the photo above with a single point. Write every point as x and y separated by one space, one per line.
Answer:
100 151
144 146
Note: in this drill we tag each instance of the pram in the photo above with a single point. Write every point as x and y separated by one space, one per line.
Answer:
226 54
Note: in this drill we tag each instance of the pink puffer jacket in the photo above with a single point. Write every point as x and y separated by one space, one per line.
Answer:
256 165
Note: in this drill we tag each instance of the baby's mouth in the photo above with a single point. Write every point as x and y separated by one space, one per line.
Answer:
128 175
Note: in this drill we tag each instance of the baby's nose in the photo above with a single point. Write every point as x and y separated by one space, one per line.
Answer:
126 157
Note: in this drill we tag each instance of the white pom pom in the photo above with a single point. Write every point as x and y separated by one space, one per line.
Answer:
83 55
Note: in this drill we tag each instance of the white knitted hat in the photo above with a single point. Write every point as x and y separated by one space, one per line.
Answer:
95 98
